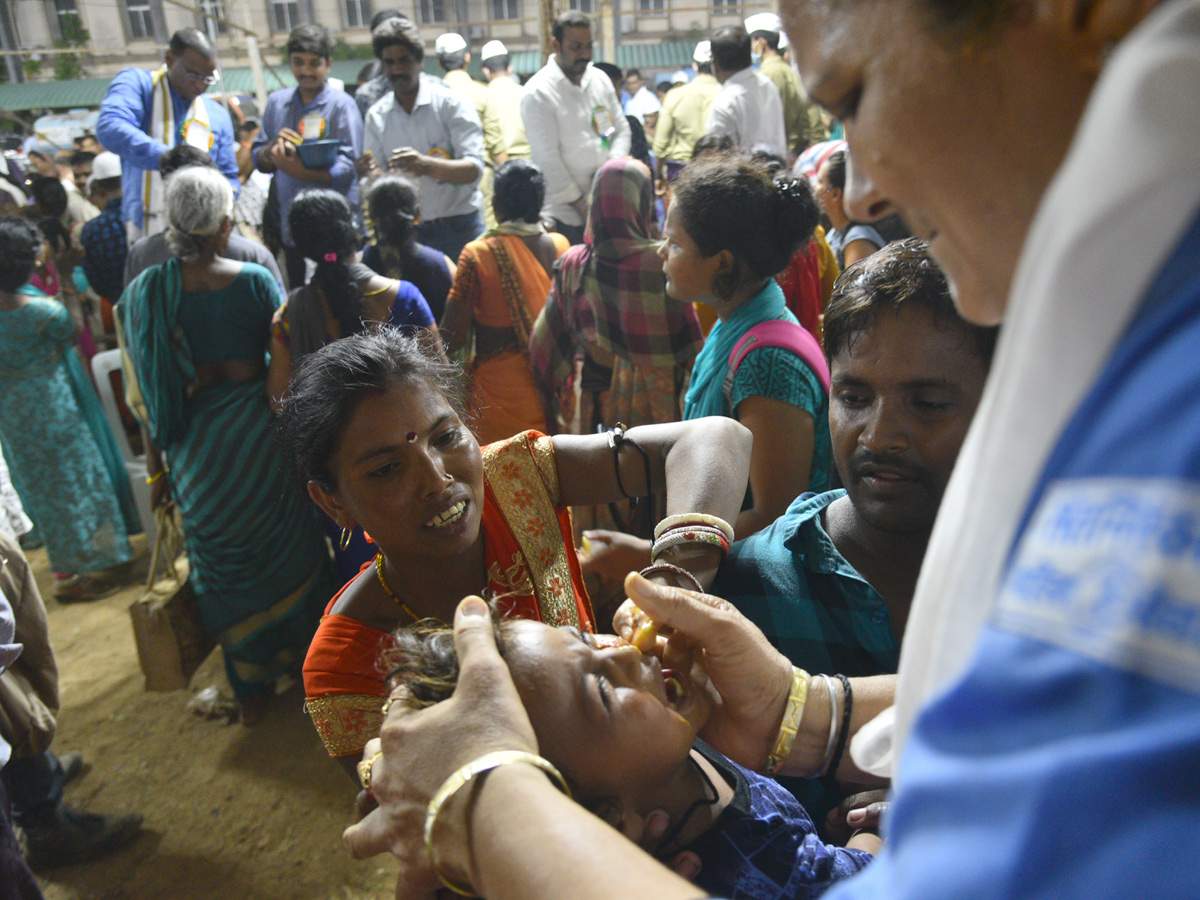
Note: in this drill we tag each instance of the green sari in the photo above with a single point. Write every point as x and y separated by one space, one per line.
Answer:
259 562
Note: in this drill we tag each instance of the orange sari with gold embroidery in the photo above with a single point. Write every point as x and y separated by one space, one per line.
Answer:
532 571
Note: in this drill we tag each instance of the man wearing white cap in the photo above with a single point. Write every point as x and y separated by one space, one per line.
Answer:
453 56
506 97
104 239
574 122
748 109
801 119
684 117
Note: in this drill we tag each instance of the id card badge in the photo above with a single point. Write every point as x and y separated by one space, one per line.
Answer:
603 125
197 134
312 127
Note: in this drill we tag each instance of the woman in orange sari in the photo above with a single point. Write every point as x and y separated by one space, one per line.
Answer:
378 434
499 289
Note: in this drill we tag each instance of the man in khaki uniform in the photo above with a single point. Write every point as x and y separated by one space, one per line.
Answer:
684 116
801 118
506 97
453 56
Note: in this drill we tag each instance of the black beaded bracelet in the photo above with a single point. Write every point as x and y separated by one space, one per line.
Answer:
845 733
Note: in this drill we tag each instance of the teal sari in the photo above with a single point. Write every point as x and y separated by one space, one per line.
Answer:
259 562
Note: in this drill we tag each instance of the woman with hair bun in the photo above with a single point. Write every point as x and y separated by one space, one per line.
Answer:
195 332
61 453
730 228
499 289
394 205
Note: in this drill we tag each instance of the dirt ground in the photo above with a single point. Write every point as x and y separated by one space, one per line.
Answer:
230 812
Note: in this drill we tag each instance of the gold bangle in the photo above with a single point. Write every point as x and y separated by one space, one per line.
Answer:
150 479
792 714
364 770
458 779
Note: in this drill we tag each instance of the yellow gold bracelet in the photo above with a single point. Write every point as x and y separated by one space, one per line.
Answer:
458 779
792 714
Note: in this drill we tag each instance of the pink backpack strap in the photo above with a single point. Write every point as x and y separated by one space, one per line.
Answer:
778 333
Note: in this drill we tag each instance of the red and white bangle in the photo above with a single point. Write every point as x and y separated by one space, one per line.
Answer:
699 534
683 573
672 522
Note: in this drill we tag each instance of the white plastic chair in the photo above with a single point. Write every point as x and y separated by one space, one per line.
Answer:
102 365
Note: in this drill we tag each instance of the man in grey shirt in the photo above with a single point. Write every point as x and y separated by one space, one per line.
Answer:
154 249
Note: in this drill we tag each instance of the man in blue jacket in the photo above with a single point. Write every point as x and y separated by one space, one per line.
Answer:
145 114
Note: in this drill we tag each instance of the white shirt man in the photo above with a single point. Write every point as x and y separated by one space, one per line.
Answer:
748 108
574 123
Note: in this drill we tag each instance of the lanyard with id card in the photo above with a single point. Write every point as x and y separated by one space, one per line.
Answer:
602 123
312 127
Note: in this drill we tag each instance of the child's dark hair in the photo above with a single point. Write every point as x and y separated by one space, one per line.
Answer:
425 661
900 274
394 204
733 203
330 382
20 241
519 190
713 143
323 230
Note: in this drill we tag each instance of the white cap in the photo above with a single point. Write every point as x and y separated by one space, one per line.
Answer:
492 49
703 52
679 77
105 165
764 22
450 42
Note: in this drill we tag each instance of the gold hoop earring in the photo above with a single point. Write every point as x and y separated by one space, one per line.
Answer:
347 536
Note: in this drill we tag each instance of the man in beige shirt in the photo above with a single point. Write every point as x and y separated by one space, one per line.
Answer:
684 116
506 97
801 118
453 56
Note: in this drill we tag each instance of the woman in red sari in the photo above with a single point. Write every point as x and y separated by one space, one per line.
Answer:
375 423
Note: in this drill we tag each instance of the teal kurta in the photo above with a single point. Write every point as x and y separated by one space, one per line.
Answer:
60 450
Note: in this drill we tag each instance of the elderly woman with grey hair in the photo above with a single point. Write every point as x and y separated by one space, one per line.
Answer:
195 331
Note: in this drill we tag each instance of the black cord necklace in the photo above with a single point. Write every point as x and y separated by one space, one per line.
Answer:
673 835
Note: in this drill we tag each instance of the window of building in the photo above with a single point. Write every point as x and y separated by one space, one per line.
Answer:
141 19
63 8
506 9
358 13
726 6
584 6
215 25
652 6
431 11
285 14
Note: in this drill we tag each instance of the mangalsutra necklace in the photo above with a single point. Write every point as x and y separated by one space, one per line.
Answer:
387 588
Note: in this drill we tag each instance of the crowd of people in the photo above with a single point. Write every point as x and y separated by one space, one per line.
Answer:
628 494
